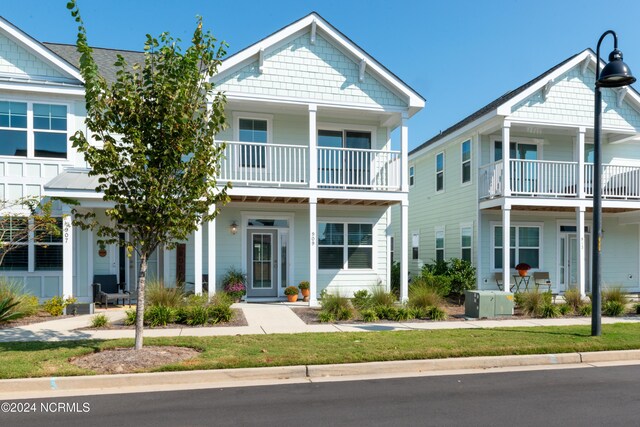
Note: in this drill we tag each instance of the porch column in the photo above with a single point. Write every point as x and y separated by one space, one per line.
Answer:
580 160
313 147
166 266
67 255
582 254
90 252
313 253
197 260
404 251
506 167
211 256
506 247
404 153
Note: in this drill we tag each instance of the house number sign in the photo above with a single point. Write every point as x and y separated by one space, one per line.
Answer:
67 227
313 238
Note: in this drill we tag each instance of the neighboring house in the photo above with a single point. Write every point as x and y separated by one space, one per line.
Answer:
470 197
308 151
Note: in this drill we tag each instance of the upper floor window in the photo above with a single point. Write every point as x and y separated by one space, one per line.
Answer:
45 136
13 128
412 175
466 161
517 151
415 245
253 130
440 172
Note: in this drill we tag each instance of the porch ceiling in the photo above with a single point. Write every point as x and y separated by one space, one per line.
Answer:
305 200
558 209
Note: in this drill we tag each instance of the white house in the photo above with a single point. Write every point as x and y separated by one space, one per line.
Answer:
308 152
470 197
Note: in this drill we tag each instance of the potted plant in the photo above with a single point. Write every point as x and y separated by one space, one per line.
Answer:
292 293
233 284
304 288
523 268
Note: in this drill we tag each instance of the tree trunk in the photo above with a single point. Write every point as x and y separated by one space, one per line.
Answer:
142 278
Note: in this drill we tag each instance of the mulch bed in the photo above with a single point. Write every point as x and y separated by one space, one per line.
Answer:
41 316
238 319
127 360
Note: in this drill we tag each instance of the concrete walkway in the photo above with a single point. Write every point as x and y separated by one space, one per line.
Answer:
264 318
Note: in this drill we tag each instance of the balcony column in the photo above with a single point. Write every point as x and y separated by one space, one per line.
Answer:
580 153
211 256
506 247
404 251
313 146
506 167
67 254
582 254
313 253
404 153
197 260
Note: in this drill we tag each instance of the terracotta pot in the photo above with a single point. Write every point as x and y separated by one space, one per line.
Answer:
292 298
305 292
522 273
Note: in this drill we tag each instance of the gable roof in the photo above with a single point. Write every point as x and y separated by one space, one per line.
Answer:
415 101
105 58
503 104
39 50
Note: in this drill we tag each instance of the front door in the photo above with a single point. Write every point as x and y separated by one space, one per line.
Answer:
263 267
568 261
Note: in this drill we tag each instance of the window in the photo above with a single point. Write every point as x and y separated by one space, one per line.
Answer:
524 246
391 249
588 153
13 128
466 161
412 173
439 244
415 245
47 247
252 130
50 130
345 246
465 242
440 172
516 151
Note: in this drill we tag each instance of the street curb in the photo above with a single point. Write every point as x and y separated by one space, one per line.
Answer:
113 383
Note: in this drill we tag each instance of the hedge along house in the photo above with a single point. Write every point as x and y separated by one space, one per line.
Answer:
308 152
535 197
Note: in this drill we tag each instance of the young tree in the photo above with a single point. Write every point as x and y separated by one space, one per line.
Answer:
155 152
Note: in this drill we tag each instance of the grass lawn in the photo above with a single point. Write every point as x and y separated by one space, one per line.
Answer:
37 359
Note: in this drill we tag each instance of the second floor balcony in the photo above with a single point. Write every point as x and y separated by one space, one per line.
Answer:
298 166
544 178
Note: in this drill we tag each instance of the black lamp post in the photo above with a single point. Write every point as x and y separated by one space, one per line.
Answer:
614 74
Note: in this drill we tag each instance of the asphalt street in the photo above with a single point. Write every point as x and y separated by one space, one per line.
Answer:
563 397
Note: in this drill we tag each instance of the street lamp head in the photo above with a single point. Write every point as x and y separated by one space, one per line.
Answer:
616 73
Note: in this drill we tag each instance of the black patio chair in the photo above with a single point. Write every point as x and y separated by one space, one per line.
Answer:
106 288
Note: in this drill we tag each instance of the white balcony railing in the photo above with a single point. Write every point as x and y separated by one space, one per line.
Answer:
247 163
557 179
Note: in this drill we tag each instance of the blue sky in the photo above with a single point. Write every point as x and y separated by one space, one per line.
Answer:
460 55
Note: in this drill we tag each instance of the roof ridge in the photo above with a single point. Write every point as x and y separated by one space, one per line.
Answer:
95 47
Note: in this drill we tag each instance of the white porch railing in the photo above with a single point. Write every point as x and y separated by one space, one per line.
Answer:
258 163
557 179
352 168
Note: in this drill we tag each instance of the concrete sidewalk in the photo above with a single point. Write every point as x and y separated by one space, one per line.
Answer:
263 318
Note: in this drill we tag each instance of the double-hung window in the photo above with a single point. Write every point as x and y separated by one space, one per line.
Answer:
48 249
14 235
256 132
415 245
412 175
439 171
345 246
50 130
13 128
466 233
439 231
30 251
524 245
466 161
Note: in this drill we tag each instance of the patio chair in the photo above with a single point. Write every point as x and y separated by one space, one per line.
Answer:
106 288
541 278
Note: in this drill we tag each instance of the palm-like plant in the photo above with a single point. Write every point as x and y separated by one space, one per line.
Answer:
7 309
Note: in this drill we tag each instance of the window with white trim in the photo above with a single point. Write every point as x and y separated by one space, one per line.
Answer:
415 245
466 161
412 174
256 131
524 245
466 236
14 229
13 128
345 246
392 242
48 249
439 244
440 171
50 130
47 246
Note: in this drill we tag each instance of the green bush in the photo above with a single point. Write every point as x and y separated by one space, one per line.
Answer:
436 313
386 312
534 301
27 304
157 295
420 312
130 317
565 309
438 268
291 290
379 296
361 299
615 294
197 315
573 299
637 307
463 277
421 295
326 317
369 315
337 305
221 298
159 315
8 309
518 299
441 284
395 278
99 321
549 310
55 306
345 313
613 308
220 313
404 313
585 310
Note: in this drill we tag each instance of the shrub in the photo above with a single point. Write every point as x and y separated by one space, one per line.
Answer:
361 299
8 309
304 285
130 317
220 314
379 296
438 268
404 313
27 304
291 290
614 294
325 317
463 277
233 283
235 290
156 294
613 308
637 306
549 310
533 302
345 313
395 278
222 299
99 321
436 313
197 315
55 306
420 312
369 315
422 295
386 312
518 299
159 315
565 309
573 299
441 284
337 305
585 310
